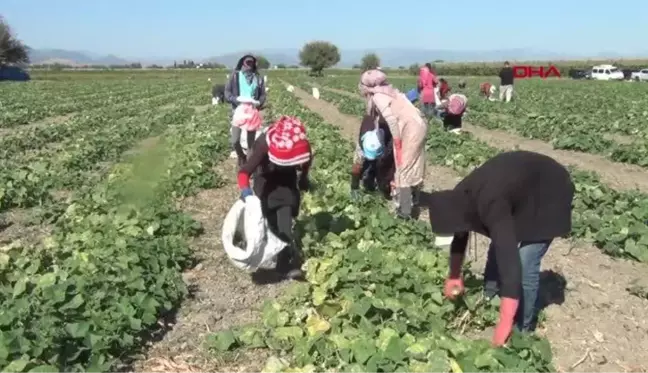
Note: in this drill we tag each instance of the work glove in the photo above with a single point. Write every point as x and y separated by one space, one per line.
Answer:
398 148
508 308
355 194
304 184
453 288
246 193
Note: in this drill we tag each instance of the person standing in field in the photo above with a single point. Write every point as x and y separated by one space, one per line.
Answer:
408 130
427 81
278 155
506 82
522 201
373 159
245 84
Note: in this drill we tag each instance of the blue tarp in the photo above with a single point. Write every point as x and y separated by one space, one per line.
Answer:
412 95
13 73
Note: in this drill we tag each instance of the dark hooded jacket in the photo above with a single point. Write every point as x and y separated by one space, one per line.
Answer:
514 197
232 86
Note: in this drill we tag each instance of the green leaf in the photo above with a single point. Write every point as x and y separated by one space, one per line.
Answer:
44 369
223 341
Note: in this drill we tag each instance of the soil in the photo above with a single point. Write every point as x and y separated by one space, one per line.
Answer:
593 323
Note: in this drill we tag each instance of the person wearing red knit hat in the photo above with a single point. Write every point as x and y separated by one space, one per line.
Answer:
276 158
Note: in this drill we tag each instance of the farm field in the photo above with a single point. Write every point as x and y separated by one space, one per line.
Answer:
114 188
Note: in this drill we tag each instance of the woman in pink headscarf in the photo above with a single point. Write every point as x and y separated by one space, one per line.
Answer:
408 130
427 81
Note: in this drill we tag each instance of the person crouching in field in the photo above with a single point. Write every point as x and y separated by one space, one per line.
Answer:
454 108
444 89
277 157
245 83
373 159
522 201
462 84
408 130
218 94
487 90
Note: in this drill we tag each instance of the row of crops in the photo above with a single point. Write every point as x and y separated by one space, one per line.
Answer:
613 220
373 300
571 115
82 297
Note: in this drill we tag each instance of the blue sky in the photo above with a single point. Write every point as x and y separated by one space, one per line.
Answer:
201 28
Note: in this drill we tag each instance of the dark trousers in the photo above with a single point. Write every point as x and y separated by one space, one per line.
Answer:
280 222
531 254
235 141
451 122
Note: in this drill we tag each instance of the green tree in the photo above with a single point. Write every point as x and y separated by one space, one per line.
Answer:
12 50
414 69
370 61
318 55
281 66
262 62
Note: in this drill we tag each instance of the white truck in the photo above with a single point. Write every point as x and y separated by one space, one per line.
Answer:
640 76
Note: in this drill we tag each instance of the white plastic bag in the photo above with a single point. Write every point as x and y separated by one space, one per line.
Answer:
290 88
215 100
316 93
262 246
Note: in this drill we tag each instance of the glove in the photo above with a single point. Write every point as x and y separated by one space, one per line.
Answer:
304 184
508 308
356 169
398 146
246 193
453 288
355 194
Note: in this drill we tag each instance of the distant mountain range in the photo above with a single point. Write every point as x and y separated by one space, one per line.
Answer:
392 57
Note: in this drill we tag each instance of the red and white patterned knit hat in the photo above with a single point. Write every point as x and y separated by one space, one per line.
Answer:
287 142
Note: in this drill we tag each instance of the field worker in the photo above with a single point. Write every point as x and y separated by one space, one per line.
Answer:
275 160
462 84
487 90
373 159
244 82
444 89
427 81
408 130
522 201
506 82
218 94
454 108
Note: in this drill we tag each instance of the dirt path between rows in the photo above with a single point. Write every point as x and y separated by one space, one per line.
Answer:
620 176
222 296
590 313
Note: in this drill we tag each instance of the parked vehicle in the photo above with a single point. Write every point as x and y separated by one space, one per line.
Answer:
580 74
640 76
606 72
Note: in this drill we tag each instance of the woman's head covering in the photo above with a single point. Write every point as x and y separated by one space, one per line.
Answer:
372 144
247 116
287 142
247 63
457 104
375 81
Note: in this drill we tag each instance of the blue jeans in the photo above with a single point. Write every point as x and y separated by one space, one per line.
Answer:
531 254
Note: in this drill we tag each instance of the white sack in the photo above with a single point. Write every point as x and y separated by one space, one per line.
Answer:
316 93
443 241
262 246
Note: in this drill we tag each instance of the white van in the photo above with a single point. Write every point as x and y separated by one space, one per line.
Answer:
606 72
